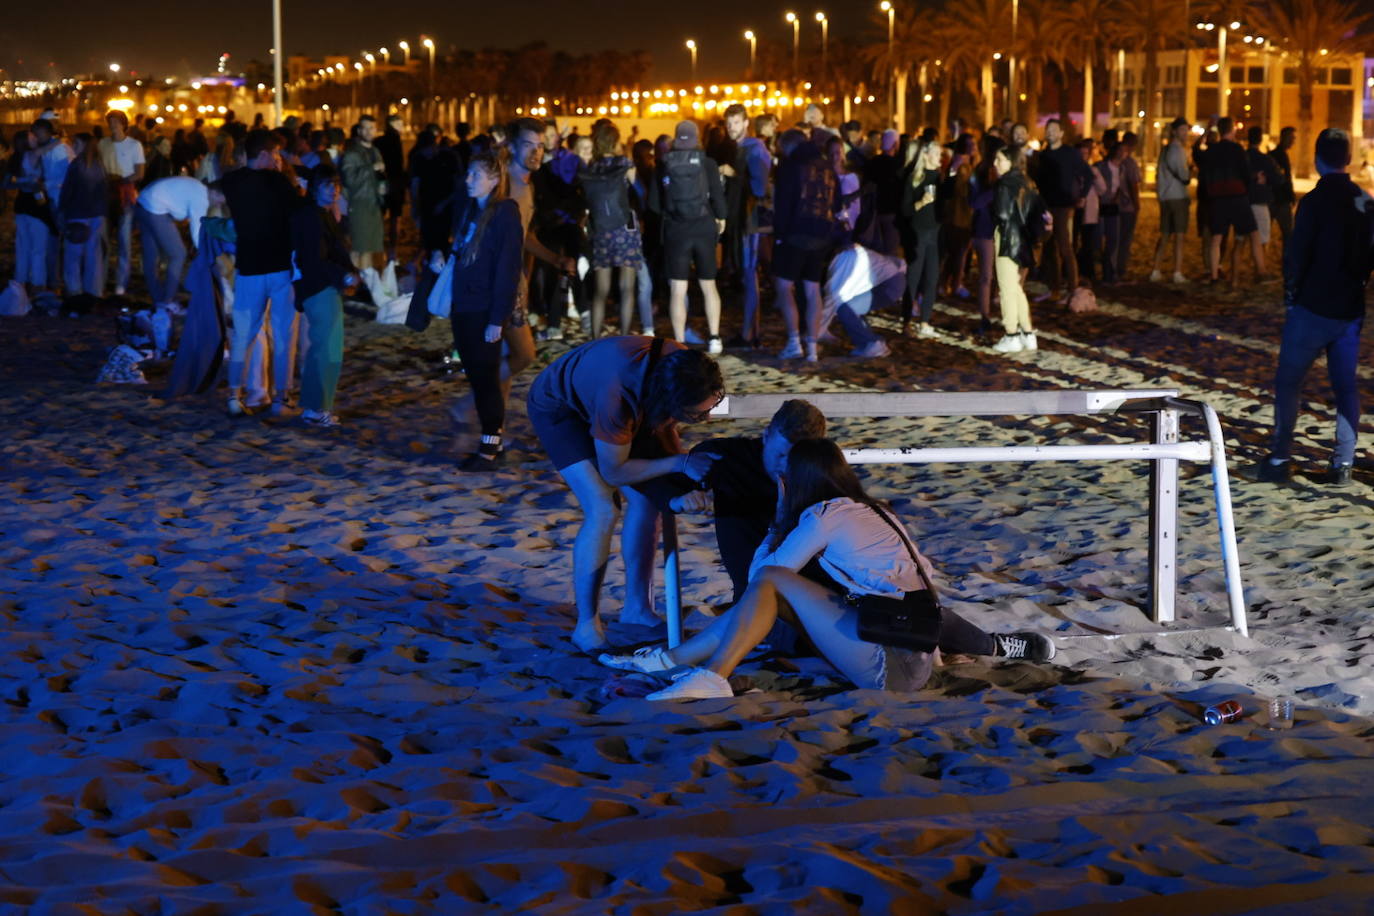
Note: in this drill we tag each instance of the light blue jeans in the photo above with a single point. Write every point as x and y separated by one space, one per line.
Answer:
124 239
31 250
1306 336
84 264
161 241
749 276
252 293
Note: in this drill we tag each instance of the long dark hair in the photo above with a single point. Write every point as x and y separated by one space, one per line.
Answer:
816 471
681 379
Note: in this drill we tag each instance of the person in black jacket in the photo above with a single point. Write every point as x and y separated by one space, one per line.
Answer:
1282 208
1019 213
1325 268
320 251
1226 177
487 245
393 160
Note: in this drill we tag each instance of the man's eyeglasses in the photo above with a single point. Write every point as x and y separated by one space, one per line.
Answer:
687 415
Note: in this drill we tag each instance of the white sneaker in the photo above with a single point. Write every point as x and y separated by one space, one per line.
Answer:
875 350
812 356
926 329
693 338
235 407
1010 343
694 684
714 346
1179 278
793 350
321 418
550 333
1028 341
1156 276
119 290
649 660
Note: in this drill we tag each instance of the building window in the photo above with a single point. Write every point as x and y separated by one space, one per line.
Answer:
1290 76
1340 76
1256 76
1237 75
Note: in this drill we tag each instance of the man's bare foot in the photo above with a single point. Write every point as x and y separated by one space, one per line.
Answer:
589 636
641 617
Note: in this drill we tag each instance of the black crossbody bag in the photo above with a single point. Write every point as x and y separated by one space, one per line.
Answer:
909 622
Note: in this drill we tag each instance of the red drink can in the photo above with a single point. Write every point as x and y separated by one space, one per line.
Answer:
1229 711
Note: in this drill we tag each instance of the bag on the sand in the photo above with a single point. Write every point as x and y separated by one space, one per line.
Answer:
14 302
1082 300
122 367
909 622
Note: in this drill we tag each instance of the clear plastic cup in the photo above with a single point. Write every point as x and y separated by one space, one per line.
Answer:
1281 713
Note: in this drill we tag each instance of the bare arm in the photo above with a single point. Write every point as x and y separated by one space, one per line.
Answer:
618 469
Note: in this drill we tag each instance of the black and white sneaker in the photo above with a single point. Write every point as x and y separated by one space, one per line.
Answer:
1027 644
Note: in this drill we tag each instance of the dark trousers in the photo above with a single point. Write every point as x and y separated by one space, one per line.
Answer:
923 272
482 365
546 295
1306 336
1057 261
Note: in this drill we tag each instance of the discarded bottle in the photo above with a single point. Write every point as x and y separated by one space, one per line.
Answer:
1228 711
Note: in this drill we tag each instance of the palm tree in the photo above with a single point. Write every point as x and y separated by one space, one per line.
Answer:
1039 46
1310 30
1150 26
981 29
909 48
1086 29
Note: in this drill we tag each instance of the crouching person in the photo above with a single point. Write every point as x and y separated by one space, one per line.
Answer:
824 514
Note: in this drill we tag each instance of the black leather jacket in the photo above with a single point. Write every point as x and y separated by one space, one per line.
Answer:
1015 205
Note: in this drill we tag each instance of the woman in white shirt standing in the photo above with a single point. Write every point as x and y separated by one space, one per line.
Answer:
824 515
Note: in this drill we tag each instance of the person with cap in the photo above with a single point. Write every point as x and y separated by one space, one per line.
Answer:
689 193
884 172
1172 176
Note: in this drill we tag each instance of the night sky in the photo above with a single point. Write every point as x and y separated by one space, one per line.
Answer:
167 38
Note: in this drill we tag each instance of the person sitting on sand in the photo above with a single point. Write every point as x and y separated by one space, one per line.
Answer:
608 413
824 514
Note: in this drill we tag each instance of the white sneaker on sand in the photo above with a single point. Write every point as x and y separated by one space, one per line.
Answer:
1156 276
926 329
649 660
694 684
1028 341
1010 343
235 407
875 350
793 350
1179 278
812 356
714 346
321 418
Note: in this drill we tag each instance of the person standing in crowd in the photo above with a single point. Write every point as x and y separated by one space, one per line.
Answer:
1265 174
83 205
1090 230
525 154
159 164
692 201
642 189
884 172
982 191
1020 216
608 415
364 182
161 205
615 233
394 164
488 245
847 187
325 267
920 207
1325 268
1110 169
560 215
1063 178
1128 202
955 214
1284 196
33 223
804 229
433 190
1172 176
54 156
1227 178
817 132
260 200
746 194
122 156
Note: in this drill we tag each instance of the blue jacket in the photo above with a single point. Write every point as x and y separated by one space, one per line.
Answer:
489 283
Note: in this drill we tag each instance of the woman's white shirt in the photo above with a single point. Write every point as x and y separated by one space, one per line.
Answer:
853 545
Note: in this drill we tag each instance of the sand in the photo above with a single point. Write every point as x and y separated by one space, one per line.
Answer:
250 667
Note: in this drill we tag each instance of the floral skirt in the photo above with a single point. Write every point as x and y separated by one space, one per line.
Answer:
617 248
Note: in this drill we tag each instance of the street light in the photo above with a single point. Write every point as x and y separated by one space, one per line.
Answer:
1011 63
825 40
887 7
796 41
753 40
692 47
386 55
405 52
114 68
429 44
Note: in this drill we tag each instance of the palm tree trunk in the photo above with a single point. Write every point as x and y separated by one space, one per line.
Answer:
987 94
900 124
1089 125
1303 150
946 97
1147 126
1034 81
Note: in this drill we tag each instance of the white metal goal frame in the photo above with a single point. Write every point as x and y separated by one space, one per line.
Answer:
1165 450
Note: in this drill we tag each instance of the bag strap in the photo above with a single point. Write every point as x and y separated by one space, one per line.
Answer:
655 351
920 570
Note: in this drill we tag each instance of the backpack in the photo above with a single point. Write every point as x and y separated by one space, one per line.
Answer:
608 197
816 208
685 192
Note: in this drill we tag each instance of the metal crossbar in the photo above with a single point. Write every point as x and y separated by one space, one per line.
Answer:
1164 407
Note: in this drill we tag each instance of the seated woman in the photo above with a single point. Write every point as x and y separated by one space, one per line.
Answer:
824 514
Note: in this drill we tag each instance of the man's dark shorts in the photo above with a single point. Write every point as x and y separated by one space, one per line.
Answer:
1231 212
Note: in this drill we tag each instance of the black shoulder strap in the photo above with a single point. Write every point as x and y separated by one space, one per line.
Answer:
920 570
655 351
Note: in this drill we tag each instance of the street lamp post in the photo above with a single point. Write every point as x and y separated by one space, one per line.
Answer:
796 43
825 41
887 7
386 55
753 40
429 44
357 77
372 69
692 47
277 57
405 52
1011 63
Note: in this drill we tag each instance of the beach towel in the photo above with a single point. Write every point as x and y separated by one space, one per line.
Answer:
122 367
200 351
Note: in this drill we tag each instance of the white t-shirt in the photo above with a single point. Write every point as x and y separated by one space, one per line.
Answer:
121 158
180 197
853 544
55 158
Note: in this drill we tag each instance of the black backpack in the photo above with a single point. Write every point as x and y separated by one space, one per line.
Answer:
608 197
686 195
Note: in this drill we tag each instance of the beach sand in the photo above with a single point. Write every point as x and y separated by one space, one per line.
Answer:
250 667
